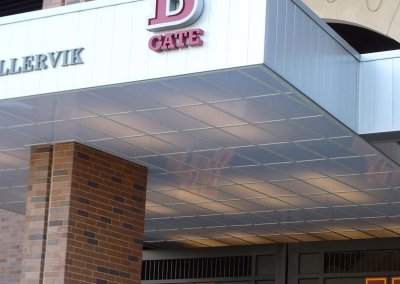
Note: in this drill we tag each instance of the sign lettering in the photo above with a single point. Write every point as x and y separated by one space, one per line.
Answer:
173 14
171 41
40 62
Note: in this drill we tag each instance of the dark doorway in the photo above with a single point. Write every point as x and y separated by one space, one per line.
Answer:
364 40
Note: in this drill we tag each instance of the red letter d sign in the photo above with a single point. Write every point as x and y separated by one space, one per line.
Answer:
172 14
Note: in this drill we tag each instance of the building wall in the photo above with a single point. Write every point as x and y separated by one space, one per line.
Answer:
378 15
380 93
343 262
11 231
300 49
328 262
264 264
56 3
115 41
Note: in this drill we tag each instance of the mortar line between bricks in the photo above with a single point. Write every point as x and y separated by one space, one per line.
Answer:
47 221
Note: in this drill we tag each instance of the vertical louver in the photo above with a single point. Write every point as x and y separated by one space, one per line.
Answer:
197 268
362 261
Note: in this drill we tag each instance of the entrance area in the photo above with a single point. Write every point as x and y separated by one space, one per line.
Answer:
340 262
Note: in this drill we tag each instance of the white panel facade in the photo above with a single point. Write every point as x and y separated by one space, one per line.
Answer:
299 48
380 95
115 39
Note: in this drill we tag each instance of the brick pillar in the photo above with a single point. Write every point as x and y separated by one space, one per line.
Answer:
57 3
92 230
11 231
36 215
52 3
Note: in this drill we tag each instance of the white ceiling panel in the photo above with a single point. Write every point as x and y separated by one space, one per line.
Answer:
128 97
367 164
326 148
201 89
355 144
137 121
330 185
24 111
213 193
187 141
92 103
211 116
240 191
245 206
122 147
328 167
324 126
252 134
218 137
292 151
163 94
364 182
297 170
239 83
261 155
287 105
299 187
11 120
386 195
239 155
270 189
248 110
288 131
110 127
329 199
263 173
174 119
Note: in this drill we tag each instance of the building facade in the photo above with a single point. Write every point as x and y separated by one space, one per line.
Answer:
195 141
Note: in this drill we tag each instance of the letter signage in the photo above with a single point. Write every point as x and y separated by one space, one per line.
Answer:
173 14
171 41
40 62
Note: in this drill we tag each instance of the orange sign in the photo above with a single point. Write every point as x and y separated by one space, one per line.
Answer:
376 280
395 280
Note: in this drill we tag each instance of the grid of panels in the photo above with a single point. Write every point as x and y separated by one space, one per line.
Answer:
258 164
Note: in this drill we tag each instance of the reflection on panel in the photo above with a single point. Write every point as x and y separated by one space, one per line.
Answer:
228 148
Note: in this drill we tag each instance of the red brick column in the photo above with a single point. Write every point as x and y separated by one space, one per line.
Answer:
52 3
57 3
34 244
11 231
94 227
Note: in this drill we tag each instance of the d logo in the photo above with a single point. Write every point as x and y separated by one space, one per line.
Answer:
172 14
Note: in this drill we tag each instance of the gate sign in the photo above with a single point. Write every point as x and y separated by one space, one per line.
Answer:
173 14
376 280
382 280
